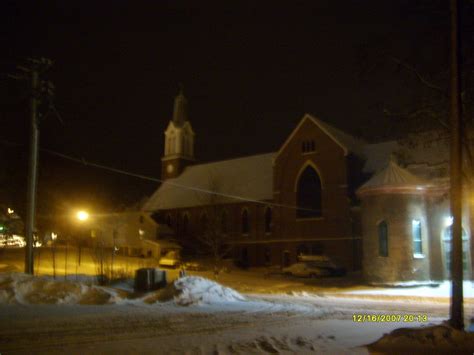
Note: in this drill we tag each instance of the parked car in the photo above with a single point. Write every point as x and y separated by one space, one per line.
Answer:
194 266
171 259
314 266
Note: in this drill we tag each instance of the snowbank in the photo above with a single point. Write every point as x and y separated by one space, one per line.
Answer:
193 290
18 288
435 339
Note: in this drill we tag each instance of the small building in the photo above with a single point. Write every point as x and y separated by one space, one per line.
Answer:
131 233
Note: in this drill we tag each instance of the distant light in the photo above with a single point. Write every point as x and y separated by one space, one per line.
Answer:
53 236
10 211
141 232
82 215
448 221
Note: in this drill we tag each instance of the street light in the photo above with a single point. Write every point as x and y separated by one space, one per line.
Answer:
82 215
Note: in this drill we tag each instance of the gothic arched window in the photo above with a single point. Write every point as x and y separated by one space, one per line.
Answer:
224 222
268 220
203 222
383 238
245 221
168 220
308 194
185 224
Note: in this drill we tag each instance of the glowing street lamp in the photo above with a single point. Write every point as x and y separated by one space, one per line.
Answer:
82 216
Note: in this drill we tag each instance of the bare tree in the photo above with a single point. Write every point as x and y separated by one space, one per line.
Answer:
213 233
449 105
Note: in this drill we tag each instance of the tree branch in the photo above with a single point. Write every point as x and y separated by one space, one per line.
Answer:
418 75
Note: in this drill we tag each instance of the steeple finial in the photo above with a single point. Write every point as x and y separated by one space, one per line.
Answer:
180 112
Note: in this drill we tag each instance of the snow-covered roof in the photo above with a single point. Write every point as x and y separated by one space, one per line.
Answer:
347 142
248 178
393 177
352 144
426 155
163 243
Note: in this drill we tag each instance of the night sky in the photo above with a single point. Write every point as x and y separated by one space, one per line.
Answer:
250 71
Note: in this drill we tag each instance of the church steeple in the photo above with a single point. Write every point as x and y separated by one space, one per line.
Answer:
179 140
180 111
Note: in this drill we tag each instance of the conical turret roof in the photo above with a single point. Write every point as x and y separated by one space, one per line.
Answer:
393 178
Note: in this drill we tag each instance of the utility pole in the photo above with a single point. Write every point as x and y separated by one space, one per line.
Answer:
32 172
33 70
456 309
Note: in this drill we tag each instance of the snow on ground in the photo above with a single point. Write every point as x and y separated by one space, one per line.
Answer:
441 290
195 315
18 288
198 290
435 339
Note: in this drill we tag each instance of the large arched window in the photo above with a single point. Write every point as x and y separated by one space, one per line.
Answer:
268 220
245 221
383 238
308 194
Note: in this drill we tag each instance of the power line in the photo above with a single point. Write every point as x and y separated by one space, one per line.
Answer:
149 178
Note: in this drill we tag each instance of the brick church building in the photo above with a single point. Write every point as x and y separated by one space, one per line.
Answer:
309 197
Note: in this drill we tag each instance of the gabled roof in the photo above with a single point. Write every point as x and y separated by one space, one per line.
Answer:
393 178
246 178
348 143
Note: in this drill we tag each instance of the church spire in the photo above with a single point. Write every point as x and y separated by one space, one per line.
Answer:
180 111
179 140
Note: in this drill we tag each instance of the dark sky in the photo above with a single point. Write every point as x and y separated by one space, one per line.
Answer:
250 71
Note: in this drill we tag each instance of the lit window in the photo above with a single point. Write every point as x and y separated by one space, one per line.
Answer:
416 234
383 238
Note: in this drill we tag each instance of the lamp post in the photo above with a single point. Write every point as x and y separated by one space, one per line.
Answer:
81 216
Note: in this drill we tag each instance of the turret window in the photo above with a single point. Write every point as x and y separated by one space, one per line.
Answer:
383 238
417 240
